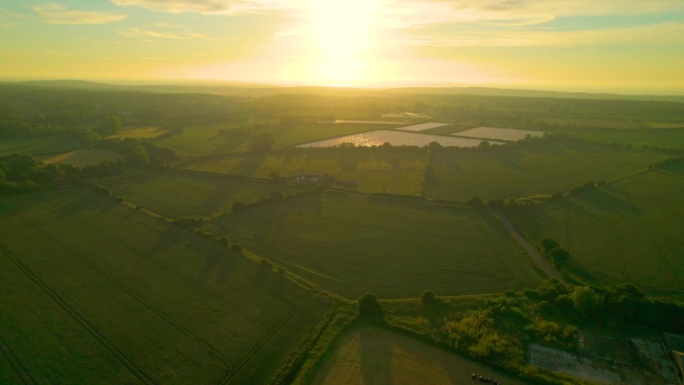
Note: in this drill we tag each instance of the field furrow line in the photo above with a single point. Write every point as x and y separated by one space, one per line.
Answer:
171 271
16 363
226 362
256 349
132 367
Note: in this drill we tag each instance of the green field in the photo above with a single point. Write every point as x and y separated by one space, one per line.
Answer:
369 355
543 168
37 145
82 157
207 139
144 132
177 193
665 138
375 170
350 244
627 231
95 292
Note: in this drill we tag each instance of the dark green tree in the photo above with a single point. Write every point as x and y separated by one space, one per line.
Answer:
369 305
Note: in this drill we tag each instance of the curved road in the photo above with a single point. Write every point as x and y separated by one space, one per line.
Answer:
538 259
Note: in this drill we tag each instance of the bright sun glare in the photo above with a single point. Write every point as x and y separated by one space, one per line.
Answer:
342 33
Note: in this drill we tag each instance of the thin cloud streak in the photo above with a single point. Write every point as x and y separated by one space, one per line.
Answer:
58 14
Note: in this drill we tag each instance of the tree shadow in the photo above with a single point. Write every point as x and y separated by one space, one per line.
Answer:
249 165
211 262
375 358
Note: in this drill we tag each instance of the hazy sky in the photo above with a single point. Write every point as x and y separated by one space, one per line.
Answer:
593 45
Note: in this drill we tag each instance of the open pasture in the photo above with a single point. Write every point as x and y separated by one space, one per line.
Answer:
95 292
666 125
394 170
505 134
349 244
38 145
423 126
176 193
341 121
82 157
139 133
395 138
543 168
592 122
663 138
369 355
627 231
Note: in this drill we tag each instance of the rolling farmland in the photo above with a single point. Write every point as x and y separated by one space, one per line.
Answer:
524 171
423 126
505 134
399 170
350 244
395 138
626 231
167 193
104 294
39 145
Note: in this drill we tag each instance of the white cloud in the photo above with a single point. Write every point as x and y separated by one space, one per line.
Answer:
58 14
660 34
176 32
179 6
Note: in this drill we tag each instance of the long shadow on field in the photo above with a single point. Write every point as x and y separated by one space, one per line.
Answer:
75 206
212 260
249 165
375 358
225 266
604 200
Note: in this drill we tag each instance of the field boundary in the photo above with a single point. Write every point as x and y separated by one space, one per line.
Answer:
19 368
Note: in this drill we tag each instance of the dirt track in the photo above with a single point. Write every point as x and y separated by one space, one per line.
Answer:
538 259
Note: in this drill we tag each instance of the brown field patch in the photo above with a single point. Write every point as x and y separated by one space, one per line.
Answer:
370 355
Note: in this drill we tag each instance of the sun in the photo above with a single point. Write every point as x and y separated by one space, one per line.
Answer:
342 34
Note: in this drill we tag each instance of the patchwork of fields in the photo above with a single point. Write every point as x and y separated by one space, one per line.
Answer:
423 126
396 138
397 171
95 292
38 145
627 231
350 244
505 134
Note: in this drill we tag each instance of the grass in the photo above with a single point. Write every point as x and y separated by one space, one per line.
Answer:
94 291
82 157
543 168
613 123
378 170
207 139
139 133
665 138
628 231
38 145
370 355
350 244
174 194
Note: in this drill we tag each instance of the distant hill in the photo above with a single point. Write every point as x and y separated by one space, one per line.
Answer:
246 89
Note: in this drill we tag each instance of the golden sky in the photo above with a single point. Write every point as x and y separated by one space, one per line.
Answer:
631 46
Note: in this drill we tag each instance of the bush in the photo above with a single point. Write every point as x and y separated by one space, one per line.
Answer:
428 298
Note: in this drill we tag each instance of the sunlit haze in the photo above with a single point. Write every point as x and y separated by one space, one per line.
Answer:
630 46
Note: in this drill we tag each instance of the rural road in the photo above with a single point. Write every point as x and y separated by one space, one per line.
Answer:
538 259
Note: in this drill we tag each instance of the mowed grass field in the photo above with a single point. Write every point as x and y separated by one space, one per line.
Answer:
370 355
627 231
544 168
176 193
378 170
82 157
350 244
94 292
37 145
